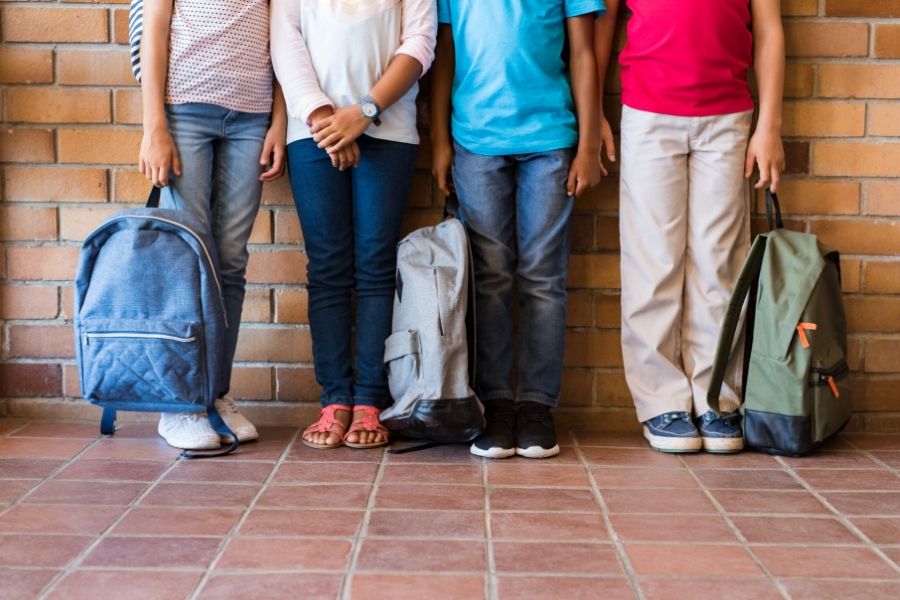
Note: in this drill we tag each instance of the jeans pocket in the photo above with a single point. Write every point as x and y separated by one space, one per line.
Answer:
402 357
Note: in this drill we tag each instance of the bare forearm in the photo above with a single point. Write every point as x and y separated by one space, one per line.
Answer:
279 108
583 71
604 34
400 75
768 42
154 62
441 84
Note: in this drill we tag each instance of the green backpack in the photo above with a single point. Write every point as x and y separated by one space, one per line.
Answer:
796 378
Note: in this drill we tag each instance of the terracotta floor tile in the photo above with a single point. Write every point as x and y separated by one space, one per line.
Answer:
762 501
865 503
27 468
158 520
880 531
630 457
543 499
751 479
530 474
285 553
171 552
267 447
301 452
446 474
690 560
874 441
824 561
113 470
600 438
125 585
851 480
23 584
831 460
135 430
553 557
419 555
553 526
324 495
657 501
326 473
272 586
743 460
835 589
281 521
432 587
624 477
757 588
665 528
426 523
123 448
12 489
9 425
59 518
230 472
14 447
59 430
893 553
794 530
457 454
568 588
17 550
429 496
200 494
86 492
890 458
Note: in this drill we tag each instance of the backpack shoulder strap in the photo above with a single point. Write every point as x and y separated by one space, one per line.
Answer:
747 279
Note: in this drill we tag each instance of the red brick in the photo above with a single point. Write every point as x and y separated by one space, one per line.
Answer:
94 67
612 390
581 310
812 38
882 198
251 383
796 158
54 184
71 382
67 302
297 385
851 272
99 145
41 341
796 8
25 223
29 301
604 197
811 196
859 236
257 306
281 266
799 80
607 233
26 65
120 25
129 185
75 223
32 24
274 345
856 159
862 8
882 355
884 118
278 193
287 227
882 277
58 105
581 230
577 388
824 119
48 263
421 193
609 311
291 306
262 228
873 314
843 80
594 271
26 145
593 349
18 380
128 106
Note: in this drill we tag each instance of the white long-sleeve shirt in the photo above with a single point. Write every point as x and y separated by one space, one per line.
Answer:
331 52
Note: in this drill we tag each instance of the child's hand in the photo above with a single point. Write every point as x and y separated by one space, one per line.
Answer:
273 153
339 130
766 151
158 157
606 143
441 162
346 157
584 173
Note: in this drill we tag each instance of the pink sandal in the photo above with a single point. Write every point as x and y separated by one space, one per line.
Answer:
327 423
369 422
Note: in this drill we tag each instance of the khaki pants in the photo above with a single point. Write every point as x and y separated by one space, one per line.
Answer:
685 231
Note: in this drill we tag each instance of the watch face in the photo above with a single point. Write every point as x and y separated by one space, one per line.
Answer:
369 110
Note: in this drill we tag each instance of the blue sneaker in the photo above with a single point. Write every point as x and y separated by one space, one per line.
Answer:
721 435
672 432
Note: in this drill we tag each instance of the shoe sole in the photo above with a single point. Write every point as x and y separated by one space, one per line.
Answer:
226 439
209 446
537 452
723 445
673 445
492 452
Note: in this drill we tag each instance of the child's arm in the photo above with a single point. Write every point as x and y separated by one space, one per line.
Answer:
585 170
411 60
765 149
158 153
273 147
441 84
604 33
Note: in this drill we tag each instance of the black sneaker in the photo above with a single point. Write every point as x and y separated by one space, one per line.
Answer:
535 432
498 440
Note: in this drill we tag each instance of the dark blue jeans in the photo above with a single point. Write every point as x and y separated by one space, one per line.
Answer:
516 211
351 225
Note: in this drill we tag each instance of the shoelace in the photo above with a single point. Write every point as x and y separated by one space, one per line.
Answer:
226 405
671 417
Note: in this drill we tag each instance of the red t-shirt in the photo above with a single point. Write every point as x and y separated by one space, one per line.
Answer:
688 57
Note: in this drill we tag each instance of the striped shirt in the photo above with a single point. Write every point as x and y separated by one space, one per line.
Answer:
219 54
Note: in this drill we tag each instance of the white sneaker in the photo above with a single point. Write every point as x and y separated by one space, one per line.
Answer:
236 422
188 431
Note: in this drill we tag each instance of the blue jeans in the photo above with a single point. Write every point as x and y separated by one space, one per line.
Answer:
219 151
516 211
351 225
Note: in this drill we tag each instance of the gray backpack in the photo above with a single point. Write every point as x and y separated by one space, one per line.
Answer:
427 355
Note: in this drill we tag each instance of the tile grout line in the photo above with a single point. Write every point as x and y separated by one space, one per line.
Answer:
363 528
613 534
491 583
745 544
226 539
75 562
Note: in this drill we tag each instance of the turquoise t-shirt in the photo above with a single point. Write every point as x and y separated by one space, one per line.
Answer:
511 92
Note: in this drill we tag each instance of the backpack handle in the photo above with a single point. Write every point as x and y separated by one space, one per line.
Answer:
773 208
153 197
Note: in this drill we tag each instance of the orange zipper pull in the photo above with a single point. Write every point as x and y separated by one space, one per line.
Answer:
802 328
834 387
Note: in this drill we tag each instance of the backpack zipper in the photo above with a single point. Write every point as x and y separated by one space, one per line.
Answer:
829 377
131 335
437 290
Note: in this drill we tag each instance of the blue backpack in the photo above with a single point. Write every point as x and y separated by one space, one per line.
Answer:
148 310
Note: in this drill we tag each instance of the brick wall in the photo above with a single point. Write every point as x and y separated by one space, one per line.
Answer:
70 139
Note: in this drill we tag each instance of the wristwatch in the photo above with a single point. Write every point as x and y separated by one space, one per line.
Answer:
370 109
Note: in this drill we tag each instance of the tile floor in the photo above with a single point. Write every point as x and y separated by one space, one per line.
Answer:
86 517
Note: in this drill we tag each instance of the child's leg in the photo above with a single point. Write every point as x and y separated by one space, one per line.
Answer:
653 227
718 240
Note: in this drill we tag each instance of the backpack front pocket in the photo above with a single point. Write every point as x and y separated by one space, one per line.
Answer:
138 364
402 357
